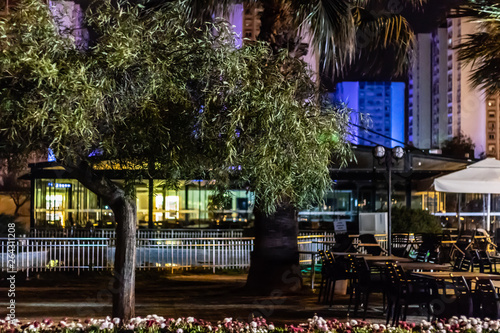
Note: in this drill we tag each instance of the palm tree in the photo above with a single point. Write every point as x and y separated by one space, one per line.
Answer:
341 31
482 49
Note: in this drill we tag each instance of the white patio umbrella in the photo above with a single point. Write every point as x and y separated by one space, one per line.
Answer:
481 177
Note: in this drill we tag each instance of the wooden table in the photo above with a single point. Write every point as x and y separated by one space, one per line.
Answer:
466 275
390 258
417 266
369 257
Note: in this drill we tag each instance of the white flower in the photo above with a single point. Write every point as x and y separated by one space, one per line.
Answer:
271 327
315 318
179 330
190 320
468 326
354 322
485 325
439 326
253 324
376 327
104 325
209 328
228 320
130 326
473 321
162 325
116 321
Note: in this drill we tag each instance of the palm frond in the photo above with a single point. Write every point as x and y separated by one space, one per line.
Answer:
380 35
390 6
331 27
482 49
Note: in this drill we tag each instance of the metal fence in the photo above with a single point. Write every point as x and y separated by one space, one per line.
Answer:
141 233
152 233
97 253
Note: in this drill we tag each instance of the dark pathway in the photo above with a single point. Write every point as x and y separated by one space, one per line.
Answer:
206 296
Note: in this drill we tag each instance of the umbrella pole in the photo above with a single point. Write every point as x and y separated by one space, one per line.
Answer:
458 213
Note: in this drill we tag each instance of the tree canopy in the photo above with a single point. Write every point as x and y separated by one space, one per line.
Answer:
158 93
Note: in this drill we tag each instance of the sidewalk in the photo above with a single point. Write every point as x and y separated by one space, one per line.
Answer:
205 296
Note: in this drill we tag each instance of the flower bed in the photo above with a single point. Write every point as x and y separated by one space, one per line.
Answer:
154 323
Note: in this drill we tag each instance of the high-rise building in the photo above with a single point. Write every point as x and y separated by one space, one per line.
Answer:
442 103
378 107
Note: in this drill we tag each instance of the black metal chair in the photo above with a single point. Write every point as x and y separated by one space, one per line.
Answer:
365 282
455 304
486 299
343 243
332 270
486 265
403 291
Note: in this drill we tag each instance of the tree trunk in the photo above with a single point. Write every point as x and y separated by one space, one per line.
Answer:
124 284
125 212
274 263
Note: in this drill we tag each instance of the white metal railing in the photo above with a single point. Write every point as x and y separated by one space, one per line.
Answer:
61 254
141 233
154 233
97 253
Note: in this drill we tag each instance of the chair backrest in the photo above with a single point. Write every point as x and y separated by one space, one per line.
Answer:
422 255
463 296
457 265
433 257
488 298
370 239
343 243
460 286
486 265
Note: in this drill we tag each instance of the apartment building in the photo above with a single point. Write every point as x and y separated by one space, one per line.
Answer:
442 103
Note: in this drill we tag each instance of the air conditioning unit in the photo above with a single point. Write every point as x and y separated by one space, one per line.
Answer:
373 223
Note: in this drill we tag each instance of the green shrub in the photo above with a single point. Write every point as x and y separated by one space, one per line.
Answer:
414 220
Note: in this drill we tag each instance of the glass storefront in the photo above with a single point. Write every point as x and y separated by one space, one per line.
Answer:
65 203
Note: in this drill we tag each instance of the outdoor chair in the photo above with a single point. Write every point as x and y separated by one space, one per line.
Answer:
485 262
372 246
343 243
458 302
332 270
464 242
400 244
365 282
464 262
403 291
486 300
422 255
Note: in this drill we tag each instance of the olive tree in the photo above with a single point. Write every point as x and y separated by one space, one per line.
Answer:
155 95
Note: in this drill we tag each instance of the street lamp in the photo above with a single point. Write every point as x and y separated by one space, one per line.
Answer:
389 156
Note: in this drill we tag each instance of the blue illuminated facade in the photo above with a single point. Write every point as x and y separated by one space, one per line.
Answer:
379 107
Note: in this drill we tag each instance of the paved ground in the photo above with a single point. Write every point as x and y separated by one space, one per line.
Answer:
205 296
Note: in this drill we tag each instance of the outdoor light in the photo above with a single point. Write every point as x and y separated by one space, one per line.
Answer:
388 156
379 151
398 152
